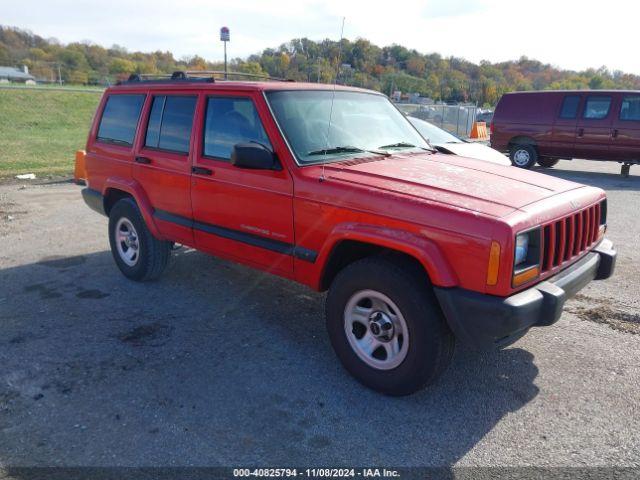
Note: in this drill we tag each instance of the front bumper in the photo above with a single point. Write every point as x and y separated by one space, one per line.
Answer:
483 320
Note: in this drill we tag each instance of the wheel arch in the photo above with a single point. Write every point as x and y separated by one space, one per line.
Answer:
112 196
351 243
116 189
522 140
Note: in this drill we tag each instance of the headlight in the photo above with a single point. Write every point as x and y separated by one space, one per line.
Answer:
526 256
522 249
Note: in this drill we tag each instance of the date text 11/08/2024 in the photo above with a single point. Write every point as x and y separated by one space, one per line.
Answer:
316 472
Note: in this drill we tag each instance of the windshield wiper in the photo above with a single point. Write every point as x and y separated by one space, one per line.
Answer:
404 145
345 149
399 145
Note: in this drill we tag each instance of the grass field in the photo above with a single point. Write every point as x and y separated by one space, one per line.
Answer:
41 130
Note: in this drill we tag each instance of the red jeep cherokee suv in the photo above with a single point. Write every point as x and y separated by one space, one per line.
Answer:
334 188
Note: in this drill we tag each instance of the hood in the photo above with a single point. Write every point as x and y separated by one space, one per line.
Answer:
474 150
461 182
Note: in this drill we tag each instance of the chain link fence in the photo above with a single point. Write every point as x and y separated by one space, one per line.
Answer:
456 119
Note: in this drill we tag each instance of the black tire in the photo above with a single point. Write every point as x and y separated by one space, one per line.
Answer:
548 162
430 341
152 254
523 156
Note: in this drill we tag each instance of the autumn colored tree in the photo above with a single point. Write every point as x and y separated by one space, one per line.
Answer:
358 63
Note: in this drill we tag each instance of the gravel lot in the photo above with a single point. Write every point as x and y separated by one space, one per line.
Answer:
216 364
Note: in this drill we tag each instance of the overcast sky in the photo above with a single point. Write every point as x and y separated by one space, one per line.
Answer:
567 33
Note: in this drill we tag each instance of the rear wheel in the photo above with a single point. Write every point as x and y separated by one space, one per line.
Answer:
548 162
386 325
523 156
138 254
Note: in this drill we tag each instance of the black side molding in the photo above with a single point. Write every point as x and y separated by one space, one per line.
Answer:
305 254
259 241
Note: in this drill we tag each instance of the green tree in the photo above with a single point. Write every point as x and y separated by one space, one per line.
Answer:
121 65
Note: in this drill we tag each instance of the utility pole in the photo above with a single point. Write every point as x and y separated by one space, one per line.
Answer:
225 37
56 65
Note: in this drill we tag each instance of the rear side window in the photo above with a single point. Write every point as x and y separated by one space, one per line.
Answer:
120 118
570 106
630 109
230 121
597 107
170 123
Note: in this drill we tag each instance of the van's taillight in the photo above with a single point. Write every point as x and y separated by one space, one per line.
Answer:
491 127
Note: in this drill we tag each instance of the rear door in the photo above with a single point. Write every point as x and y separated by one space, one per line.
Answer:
625 145
110 150
593 135
563 135
243 214
162 163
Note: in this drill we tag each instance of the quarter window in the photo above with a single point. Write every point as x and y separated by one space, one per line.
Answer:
630 109
170 123
597 107
230 121
120 119
570 106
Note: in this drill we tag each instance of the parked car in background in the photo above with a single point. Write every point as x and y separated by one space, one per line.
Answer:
545 127
484 116
445 142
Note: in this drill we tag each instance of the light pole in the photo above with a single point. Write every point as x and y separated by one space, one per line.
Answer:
224 37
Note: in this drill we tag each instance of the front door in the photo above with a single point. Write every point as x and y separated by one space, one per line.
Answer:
162 161
593 135
242 214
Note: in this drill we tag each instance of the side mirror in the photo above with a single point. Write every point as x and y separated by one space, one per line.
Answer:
254 156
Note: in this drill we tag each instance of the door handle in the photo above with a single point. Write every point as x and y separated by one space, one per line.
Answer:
143 160
580 132
614 133
202 170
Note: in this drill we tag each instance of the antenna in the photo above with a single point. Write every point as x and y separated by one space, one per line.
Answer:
333 94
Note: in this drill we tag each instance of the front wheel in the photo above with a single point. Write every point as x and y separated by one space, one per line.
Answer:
523 156
386 326
139 255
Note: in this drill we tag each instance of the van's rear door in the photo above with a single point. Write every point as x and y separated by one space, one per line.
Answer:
593 135
625 131
563 137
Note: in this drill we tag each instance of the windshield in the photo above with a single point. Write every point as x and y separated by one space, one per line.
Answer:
433 134
361 124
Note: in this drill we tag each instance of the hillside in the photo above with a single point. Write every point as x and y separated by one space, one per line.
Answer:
41 130
367 65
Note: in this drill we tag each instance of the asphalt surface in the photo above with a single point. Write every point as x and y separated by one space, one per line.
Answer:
216 364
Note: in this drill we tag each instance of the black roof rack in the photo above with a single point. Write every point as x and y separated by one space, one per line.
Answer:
206 76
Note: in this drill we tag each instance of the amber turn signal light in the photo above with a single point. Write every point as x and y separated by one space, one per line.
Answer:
526 275
494 263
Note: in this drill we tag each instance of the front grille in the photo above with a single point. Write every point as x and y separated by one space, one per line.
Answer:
571 236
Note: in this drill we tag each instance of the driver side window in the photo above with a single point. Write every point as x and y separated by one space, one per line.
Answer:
231 120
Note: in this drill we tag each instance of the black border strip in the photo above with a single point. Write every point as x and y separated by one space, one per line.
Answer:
238 236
